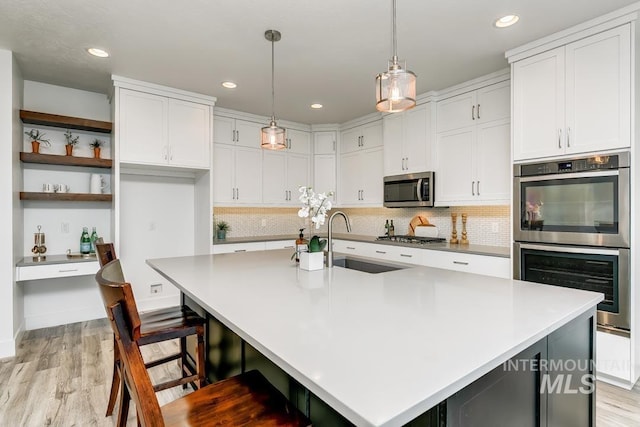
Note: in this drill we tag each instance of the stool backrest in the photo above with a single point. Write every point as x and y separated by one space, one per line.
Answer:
105 252
114 289
137 378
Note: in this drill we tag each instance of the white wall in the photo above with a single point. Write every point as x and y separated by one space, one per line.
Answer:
79 296
10 100
18 221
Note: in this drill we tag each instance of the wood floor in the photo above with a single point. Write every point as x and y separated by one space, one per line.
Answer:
61 377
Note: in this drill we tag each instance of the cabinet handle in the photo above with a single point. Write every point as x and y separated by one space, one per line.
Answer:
237 194
334 146
166 157
288 247
473 183
460 263
473 112
240 250
406 163
69 270
559 138
478 188
380 252
351 247
568 137
478 111
237 136
406 255
170 153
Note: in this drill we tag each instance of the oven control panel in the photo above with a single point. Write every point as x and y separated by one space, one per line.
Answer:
585 164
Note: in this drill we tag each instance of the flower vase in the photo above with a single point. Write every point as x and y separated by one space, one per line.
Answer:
35 147
222 234
69 149
96 152
312 261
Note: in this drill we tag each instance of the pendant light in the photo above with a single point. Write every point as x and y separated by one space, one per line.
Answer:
273 136
395 89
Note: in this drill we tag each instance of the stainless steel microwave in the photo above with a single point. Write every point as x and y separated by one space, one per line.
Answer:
409 190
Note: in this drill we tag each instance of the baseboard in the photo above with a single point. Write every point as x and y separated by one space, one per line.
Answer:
618 382
149 304
8 347
63 317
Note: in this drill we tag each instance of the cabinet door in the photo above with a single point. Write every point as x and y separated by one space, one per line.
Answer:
299 141
350 179
350 140
143 128
371 170
394 162
416 139
492 162
297 176
372 135
248 133
324 142
223 183
224 130
248 166
456 112
454 177
324 174
538 105
274 176
189 132
493 102
598 97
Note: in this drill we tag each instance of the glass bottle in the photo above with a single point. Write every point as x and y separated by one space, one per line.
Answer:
85 241
392 229
301 244
93 238
386 228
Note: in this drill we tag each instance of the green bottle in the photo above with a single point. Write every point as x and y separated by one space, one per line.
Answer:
93 238
85 242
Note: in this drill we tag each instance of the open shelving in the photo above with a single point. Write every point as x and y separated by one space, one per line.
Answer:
55 120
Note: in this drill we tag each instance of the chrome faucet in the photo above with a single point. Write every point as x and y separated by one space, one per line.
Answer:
330 238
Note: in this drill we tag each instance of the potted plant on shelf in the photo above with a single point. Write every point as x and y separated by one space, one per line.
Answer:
222 228
96 144
37 138
71 142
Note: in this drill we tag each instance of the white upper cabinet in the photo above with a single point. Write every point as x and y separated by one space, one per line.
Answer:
234 172
361 137
475 107
575 98
298 141
361 176
324 142
282 174
324 163
239 132
163 131
407 145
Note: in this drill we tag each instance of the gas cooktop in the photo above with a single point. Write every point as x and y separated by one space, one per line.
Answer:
412 239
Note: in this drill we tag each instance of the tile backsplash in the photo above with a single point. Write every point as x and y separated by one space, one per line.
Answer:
486 225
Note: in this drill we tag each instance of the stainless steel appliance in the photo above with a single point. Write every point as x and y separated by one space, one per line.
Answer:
602 270
571 228
578 201
413 240
409 190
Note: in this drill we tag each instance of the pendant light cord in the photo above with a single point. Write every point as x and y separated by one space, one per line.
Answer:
393 29
273 91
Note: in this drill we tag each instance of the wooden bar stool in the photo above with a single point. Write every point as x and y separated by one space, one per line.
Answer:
153 327
243 400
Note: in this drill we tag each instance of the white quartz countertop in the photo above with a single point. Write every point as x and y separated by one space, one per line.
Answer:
379 348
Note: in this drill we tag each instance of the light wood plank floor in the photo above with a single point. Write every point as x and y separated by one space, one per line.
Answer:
61 377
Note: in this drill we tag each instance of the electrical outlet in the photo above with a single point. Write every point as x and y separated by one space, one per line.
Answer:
64 227
264 222
495 228
156 288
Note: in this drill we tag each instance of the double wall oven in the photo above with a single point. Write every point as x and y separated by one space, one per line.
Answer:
572 228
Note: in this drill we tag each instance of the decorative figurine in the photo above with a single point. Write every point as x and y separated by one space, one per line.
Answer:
464 240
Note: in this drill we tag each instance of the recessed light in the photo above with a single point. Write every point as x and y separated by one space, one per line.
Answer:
316 106
506 21
229 85
98 52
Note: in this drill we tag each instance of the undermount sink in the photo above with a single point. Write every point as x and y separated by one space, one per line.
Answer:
365 265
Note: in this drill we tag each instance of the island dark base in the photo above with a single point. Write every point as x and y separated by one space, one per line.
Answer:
550 384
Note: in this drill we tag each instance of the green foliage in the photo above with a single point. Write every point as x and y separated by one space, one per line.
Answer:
96 143
71 140
36 135
222 225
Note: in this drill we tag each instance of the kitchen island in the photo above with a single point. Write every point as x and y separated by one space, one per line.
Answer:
382 349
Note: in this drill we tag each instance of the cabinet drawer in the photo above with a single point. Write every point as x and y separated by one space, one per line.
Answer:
349 247
238 247
281 244
470 263
396 253
52 271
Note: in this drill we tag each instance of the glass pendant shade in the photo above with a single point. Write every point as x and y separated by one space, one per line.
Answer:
395 89
273 136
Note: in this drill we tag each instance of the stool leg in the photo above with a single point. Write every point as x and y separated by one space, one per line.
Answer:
200 355
123 411
115 380
183 359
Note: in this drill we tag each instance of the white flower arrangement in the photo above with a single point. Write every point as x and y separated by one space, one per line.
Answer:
314 205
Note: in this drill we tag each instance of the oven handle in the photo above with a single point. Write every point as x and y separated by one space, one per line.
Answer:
570 249
419 190
568 176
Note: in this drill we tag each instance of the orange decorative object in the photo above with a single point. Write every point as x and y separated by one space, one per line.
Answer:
415 222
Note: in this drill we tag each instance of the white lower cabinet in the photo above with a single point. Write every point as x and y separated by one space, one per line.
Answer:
469 263
51 271
280 244
228 248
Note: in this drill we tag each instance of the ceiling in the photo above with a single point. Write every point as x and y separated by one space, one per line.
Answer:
330 50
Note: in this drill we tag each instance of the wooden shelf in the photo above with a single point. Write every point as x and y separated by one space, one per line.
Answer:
53 159
35 118
66 197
